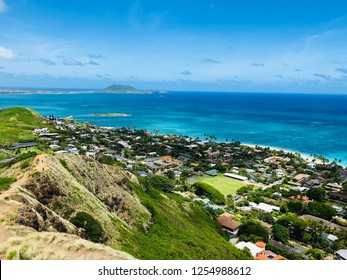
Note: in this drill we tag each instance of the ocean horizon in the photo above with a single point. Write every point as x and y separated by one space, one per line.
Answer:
304 123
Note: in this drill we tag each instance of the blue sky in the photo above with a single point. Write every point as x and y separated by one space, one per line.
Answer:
225 45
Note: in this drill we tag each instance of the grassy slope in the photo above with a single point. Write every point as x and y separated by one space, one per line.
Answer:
17 124
181 230
222 183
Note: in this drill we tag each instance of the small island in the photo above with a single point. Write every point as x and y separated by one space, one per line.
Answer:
110 115
125 89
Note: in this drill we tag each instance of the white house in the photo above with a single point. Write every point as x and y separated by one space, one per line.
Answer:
234 176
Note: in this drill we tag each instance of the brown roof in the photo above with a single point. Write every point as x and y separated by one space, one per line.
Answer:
226 214
301 177
303 198
170 160
228 223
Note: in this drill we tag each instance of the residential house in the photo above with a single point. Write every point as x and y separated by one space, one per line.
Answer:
23 145
341 254
205 201
303 198
234 176
212 172
338 196
333 187
254 249
301 177
229 224
142 173
268 208
258 251
312 183
324 222
343 175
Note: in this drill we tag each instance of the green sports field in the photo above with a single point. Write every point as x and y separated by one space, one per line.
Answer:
222 183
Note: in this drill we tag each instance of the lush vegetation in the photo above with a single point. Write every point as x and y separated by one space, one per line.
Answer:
19 158
203 189
17 125
321 210
5 182
24 164
181 229
294 224
315 208
159 182
284 253
3 156
280 233
253 231
222 183
107 160
92 227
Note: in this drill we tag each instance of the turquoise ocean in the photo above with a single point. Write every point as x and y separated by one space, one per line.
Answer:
304 123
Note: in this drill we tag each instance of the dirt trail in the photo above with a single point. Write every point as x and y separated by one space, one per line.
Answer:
40 165
8 206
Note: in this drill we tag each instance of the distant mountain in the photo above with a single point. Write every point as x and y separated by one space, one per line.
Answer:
124 89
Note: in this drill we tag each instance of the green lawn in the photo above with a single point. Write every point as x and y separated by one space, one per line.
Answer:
222 183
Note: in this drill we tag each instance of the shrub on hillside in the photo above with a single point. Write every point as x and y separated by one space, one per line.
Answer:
160 182
92 227
107 160
5 182
203 189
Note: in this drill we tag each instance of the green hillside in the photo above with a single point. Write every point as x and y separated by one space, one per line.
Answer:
83 198
17 124
181 229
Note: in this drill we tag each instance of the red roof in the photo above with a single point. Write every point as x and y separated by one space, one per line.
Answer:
260 244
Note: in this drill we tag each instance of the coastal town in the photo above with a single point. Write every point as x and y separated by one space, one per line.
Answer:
273 203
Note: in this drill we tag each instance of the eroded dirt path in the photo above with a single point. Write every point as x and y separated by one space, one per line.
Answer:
39 164
9 206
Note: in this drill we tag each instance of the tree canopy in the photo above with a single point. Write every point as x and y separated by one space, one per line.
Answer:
280 233
253 231
160 182
322 210
203 189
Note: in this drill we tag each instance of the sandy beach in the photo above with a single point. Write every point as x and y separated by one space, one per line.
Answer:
303 156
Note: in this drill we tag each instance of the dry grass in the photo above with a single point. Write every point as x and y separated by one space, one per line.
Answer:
19 242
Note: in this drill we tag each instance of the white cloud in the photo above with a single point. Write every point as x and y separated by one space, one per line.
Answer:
72 62
2 6
6 53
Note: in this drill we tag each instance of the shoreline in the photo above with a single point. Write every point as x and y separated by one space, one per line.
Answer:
305 157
